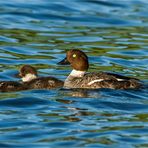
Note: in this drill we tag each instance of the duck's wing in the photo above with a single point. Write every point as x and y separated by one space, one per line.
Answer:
120 77
107 76
109 80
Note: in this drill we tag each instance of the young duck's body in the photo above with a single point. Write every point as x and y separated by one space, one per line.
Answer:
78 78
10 86
31 81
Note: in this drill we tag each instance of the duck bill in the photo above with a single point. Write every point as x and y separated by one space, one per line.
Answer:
64 62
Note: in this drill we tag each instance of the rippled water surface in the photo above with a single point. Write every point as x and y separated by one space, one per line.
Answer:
114 34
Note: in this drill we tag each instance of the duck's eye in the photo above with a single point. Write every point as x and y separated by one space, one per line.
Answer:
74 55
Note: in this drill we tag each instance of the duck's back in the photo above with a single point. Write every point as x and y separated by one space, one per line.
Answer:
102 80
9 86
44 83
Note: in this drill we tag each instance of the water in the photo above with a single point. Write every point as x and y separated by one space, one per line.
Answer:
114 35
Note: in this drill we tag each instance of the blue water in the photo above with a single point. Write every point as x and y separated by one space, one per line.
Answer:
114 34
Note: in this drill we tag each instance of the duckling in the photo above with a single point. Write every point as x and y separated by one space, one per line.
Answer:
31 80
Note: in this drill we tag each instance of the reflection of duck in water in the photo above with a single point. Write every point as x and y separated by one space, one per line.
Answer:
81 93
78 78
31 81
74 92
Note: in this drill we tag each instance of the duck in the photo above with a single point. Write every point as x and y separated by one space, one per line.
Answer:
80 78
31 80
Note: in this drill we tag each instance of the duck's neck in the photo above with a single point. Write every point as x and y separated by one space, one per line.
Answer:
29 77
76 73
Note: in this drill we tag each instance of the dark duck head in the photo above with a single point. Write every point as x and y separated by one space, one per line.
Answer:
27 73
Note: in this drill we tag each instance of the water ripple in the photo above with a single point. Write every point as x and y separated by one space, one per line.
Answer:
114 36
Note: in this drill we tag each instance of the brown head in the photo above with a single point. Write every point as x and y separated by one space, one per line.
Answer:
27 73
77 58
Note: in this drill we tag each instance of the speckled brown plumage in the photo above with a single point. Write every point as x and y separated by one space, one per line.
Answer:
44 83
109 81
10 86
